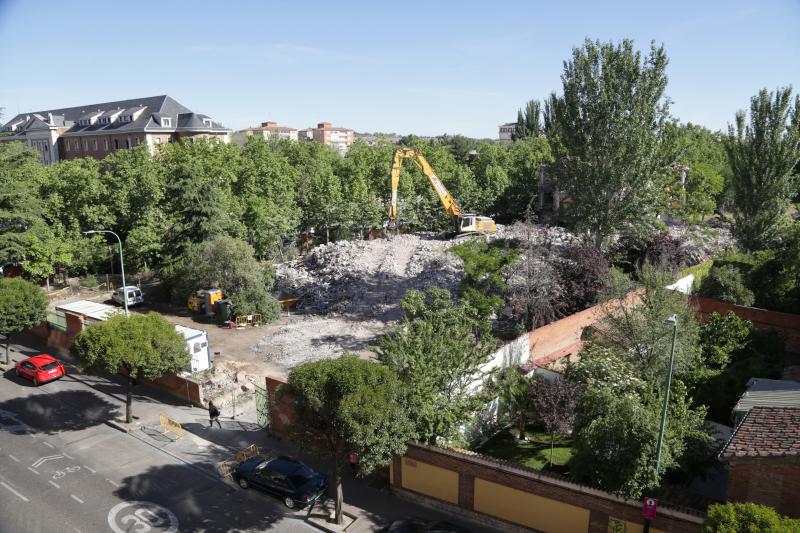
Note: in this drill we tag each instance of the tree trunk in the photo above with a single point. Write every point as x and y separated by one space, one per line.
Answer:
552 439
47 282
598 239
8 348
129 400
521 423
339 495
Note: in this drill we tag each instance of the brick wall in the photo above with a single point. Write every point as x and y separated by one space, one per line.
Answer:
786 324
281 412
601 506
772 481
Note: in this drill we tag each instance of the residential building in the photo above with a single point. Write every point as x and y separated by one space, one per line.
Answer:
271 130
96 130
762 392
325 133
763 459
507 132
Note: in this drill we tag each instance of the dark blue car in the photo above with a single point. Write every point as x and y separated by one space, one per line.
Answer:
288 479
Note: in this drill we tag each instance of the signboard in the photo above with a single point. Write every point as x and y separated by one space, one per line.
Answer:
649 506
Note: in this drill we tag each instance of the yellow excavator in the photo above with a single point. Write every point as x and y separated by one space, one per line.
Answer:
465 222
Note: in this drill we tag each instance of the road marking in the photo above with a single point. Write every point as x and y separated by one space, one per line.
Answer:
68 456
12 489
92 470
43 460
17 460
34 471
76 529
47 444
56 485
113 482
76 498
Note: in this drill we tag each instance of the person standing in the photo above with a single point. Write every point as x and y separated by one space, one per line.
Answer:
352 458
213 415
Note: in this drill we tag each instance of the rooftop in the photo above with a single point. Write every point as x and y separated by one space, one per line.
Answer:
768 393
766 432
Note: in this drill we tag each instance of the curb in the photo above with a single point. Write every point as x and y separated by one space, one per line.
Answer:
118 426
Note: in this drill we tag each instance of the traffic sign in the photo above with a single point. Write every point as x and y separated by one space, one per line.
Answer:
649 506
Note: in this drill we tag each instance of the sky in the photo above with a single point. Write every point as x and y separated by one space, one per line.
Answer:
428 68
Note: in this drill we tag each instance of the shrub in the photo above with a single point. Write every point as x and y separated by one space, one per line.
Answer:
582 274
726 283
666 252
747 517
90 282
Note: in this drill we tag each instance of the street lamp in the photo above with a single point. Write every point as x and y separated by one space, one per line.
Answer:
671 321
121 264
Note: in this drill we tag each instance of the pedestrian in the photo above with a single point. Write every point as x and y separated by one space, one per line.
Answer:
352 457
213 415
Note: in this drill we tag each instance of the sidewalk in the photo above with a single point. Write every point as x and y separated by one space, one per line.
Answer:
368 500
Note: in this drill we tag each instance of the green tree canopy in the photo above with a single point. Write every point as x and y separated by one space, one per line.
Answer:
747 517
21 210
143 346
22 306
349 404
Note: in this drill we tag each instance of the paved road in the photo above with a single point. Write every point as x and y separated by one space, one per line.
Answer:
62 469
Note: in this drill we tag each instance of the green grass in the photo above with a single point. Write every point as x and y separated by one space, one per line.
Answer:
535 452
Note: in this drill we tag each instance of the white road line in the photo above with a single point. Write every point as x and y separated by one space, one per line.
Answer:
17 460
113 482
67 456
47 444
56 485
76 529
32 470
92 470
76 498
12 489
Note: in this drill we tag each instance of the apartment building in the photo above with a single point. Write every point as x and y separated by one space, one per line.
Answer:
271 130
96 130
326 133
507 132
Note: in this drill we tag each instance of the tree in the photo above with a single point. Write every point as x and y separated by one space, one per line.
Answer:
143 346
21 209
349 404
726 283
555 402
529 122
22 306
582 272
515 394
763 154
746 517
228 264
438 351
46 253
606 128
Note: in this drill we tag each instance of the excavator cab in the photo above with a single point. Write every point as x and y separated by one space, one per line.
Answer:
472 223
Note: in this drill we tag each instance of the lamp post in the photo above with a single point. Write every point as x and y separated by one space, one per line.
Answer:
121 264
671 321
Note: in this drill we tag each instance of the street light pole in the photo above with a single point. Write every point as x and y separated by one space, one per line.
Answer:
671 321
121 265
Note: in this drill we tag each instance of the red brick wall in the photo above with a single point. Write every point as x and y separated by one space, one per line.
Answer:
772 481
786 324
180 387
600 504
281 412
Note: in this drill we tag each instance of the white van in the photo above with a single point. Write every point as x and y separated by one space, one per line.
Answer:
134 295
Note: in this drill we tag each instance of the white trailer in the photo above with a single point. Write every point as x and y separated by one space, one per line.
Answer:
197 341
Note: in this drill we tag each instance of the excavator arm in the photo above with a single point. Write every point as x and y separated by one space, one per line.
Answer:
401 154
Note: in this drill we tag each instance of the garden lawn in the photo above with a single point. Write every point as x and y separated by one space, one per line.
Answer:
535 452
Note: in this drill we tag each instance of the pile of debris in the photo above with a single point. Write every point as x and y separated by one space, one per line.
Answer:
703 242
367 279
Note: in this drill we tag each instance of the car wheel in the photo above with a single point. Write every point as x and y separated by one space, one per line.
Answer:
289 502
243 483
35 382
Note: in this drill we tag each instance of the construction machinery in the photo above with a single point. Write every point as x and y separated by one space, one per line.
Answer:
465 222
204 300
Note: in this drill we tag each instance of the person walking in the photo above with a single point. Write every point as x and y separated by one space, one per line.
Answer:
352 458
213 415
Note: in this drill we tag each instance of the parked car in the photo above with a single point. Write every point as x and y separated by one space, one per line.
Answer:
290 480
415 525
134 295
40 369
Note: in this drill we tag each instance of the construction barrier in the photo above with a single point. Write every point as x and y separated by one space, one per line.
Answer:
227 467
169 425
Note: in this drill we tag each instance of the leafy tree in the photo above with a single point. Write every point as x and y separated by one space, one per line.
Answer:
21 209
515 393
525 158
491 169
22 306
230 265
364 173
555 402
609 123
582 272
144 346
484 285
76 196
726 283
746 517
601 367
763 154
529 122
46 253
349 404
438 351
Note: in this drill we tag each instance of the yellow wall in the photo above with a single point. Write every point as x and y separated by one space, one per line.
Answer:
528 509
617 525
431 480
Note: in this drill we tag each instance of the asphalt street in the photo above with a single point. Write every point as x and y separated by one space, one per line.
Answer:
63 469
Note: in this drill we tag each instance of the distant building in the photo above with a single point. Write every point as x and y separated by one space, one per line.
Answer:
96 130
325 133
271 130
507 132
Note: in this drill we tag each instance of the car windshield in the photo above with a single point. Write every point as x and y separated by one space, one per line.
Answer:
50 366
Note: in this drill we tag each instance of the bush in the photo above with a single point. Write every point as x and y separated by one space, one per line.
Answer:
582 273
89 282
727 284
667 253
746 518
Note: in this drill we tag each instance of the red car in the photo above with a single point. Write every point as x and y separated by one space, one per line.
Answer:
40 368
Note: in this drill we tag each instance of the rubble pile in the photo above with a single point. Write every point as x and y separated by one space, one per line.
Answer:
367 279
552 237
703 242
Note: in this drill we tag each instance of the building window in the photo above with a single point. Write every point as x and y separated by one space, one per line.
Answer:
116 144
128 142
158 140
77 146
166 122
95 145
105 145
85 146
67 145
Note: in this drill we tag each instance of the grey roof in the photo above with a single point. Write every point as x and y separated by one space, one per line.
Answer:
768 393
163 106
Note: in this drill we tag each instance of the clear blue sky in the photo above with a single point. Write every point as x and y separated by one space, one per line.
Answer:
410 67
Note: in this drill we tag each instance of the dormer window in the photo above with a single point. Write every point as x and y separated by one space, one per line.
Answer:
166 122
207 122
125 118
